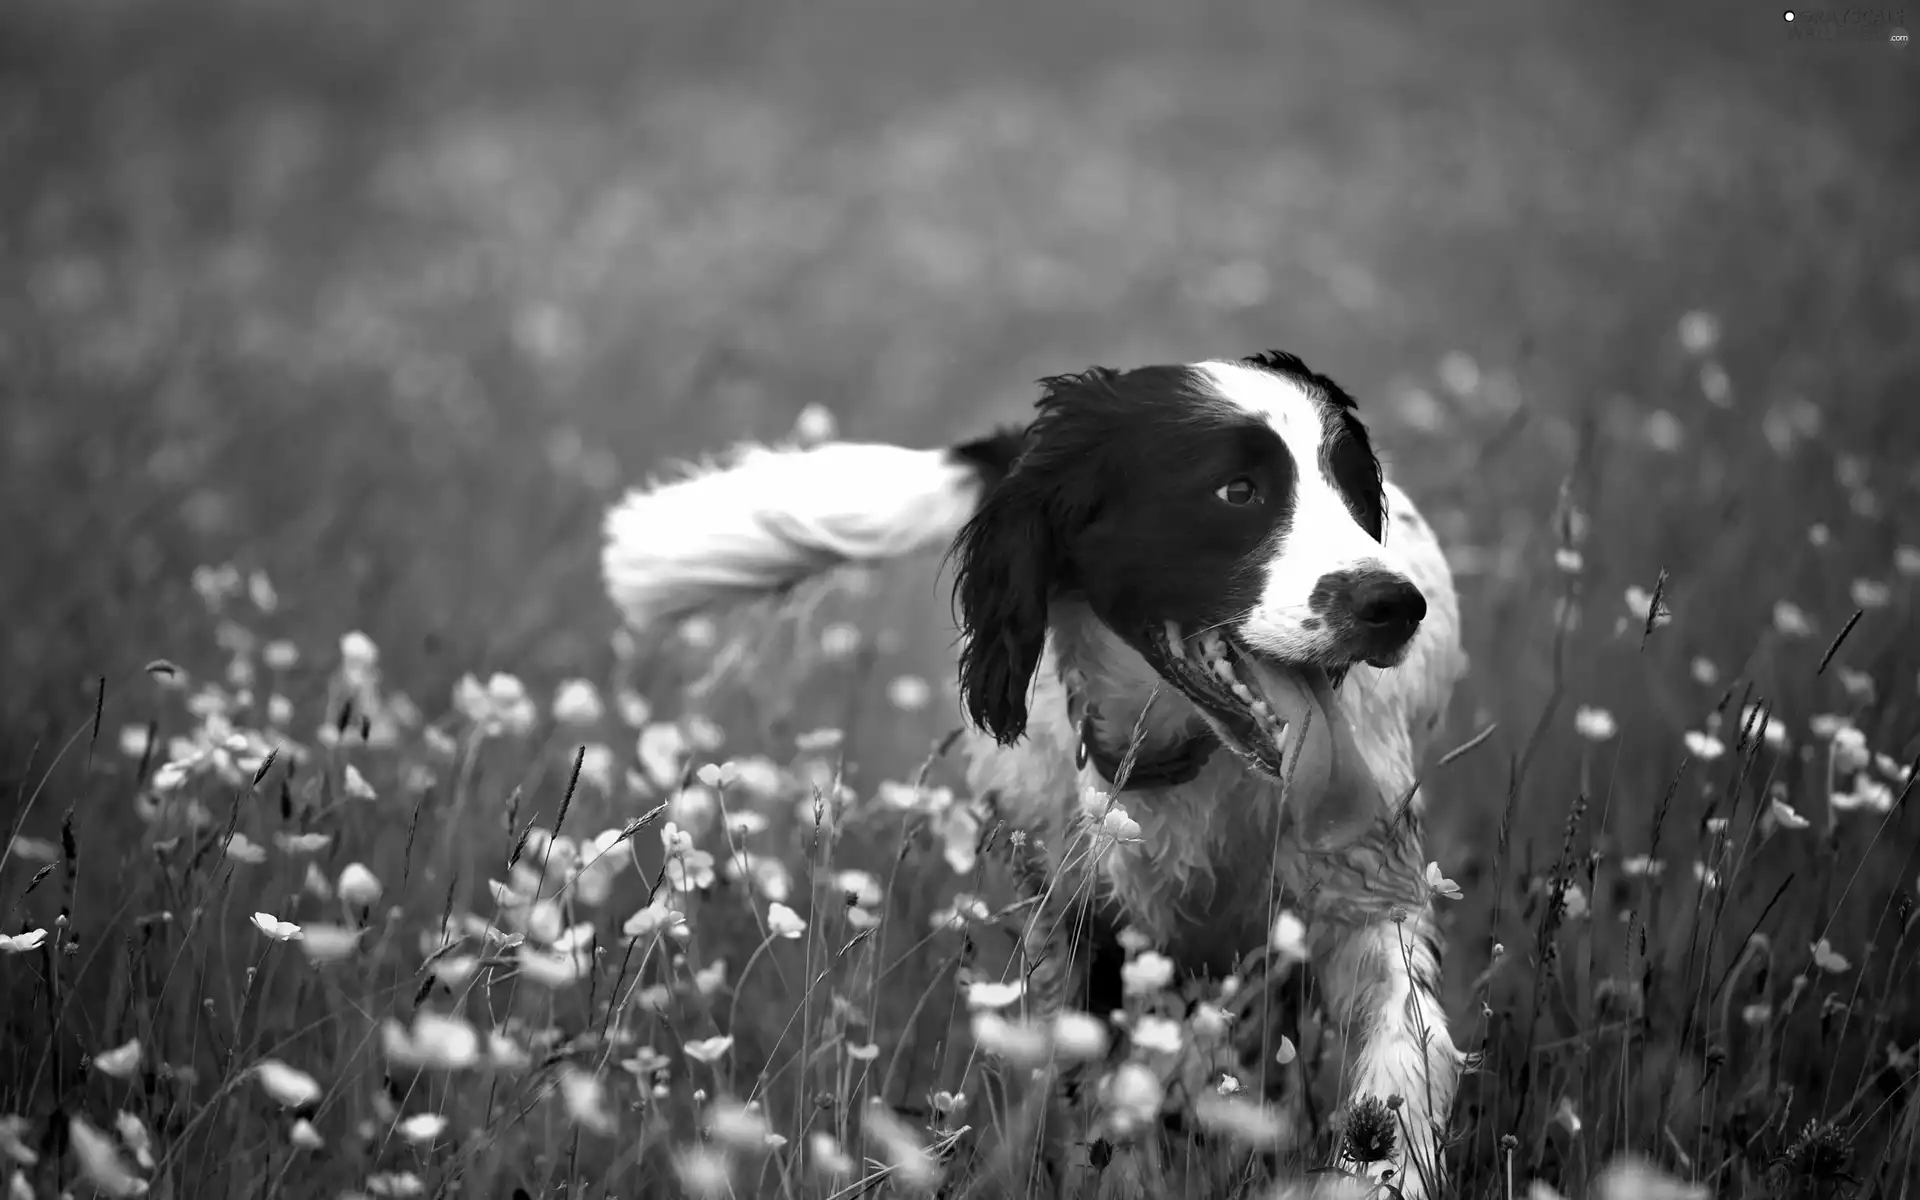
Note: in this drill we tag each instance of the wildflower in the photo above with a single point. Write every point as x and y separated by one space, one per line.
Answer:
304 1136
506 1054
1706 875
1858 685
692 809
100 1161
1440 885
1791 620
783 922
435 1041
1242 1122
1867 793
768 874
827 1156
1115 822
358 886
1156 1035
1828 959
422 1128
909 693
1850 751
288 1086
1704 746
1773 732
1704 672
863 1053
707 1050
395 1183
1594 724
859 888
1573 902
1289 937
1078 1036
500 706
1647 608
988 994
1699 332
1286 1052
13 1144
1871 593
120 1062
577 702
20 943
1147 973
1567 1116
741 1126
137 1139
1781 815
1133 1095
355 785
912 1164
710 978
688 869
839 640
275 928
554 969
1716 385
1569 560
242 849
1370 1132
957 826
656 917
325 943
1631 1178
302 843
966 908
1019 1042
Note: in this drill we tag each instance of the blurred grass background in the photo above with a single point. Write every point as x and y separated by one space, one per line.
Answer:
390 300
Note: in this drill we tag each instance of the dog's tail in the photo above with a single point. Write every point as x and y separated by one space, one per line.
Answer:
773 517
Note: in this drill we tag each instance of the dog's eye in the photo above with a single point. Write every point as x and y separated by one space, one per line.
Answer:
1239 491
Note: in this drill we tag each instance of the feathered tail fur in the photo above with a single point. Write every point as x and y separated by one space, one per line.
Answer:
773 517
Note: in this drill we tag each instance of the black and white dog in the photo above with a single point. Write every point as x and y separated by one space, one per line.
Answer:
1187 590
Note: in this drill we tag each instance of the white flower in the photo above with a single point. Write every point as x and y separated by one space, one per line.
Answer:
120 1062
577 702
859 887
1019 1042
242 849
1289 936
275 928
423 1128
1594 724
1828 959
707 1050
909 693
1782 815
658 916
1119 826
1440 885
289 1086
783 922
325 943
100 1161
1791 620
1147 973
988 994
1079 1037
436 1041
1704 746
1156 1035
1242 1122
355 785
20 943
1133 1095
1850 751
358 886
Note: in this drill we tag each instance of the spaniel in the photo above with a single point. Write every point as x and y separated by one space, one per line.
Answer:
1186 592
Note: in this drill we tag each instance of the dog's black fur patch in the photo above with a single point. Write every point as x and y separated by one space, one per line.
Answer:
1111 497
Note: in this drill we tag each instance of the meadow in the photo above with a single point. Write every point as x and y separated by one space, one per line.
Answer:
351 849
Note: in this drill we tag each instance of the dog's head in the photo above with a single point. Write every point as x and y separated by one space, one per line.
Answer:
1224 519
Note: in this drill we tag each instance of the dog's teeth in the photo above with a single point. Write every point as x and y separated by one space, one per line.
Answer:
1244 693
1174 639
1260 710
1223 671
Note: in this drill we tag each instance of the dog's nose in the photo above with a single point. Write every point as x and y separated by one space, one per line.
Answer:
1387 606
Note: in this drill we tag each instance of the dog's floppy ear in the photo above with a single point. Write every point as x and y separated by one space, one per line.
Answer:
1006 567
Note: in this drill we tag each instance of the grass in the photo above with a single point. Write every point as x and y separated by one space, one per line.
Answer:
330 334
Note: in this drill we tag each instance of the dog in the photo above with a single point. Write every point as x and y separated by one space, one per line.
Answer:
1185 590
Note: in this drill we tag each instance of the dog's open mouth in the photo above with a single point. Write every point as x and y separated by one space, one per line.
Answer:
1258 707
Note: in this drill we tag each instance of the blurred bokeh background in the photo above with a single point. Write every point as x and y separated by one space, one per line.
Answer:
390 300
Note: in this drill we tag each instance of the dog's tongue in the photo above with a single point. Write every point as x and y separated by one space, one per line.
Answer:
1333 796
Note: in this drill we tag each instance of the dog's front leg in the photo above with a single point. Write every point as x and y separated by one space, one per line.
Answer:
1377 953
